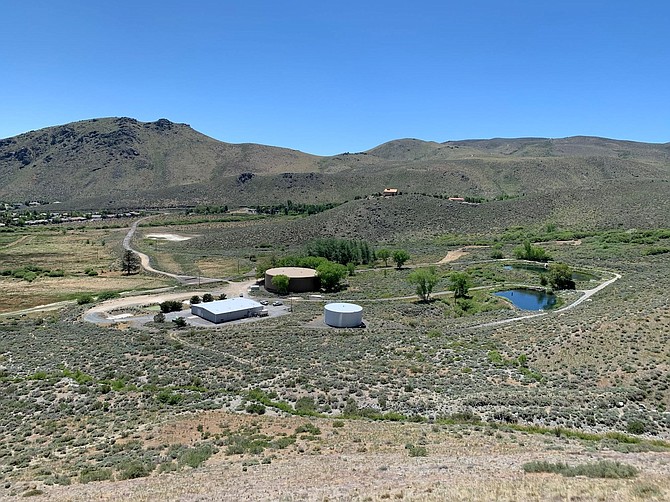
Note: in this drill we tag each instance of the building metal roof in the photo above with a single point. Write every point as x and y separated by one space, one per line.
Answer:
229 305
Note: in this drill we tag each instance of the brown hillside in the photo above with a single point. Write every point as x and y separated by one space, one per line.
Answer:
120 162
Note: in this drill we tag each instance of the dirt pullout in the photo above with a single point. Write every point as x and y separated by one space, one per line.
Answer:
457 254
232 289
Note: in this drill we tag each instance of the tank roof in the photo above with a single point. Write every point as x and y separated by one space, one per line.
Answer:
343 307
292 271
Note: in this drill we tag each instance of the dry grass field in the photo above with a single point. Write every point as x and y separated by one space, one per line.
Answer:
74 261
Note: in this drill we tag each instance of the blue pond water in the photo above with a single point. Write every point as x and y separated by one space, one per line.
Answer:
528 299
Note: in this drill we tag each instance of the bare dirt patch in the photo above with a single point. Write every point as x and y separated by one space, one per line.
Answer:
168 237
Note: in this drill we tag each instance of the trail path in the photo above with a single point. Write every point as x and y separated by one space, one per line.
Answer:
14 243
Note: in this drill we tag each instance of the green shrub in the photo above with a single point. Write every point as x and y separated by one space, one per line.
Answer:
255 408
282 442
107 295
88 475
170 306
416 451
84 299
135 469
636 427
308 428
180 322
29 276
166 396
194 457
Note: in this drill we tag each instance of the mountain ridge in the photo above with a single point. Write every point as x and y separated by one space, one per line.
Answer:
122 162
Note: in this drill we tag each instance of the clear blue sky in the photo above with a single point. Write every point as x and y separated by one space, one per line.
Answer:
329 77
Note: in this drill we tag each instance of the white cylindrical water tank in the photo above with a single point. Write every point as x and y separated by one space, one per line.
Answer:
343 315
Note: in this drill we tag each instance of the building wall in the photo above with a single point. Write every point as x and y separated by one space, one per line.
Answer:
295 284
200 311
343 319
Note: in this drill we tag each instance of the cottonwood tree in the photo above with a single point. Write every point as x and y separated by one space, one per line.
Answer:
460 284
560 276
384 254
400 256
130 262
280 282
425 280
331 274
530 252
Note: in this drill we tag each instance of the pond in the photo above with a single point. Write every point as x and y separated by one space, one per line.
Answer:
529 299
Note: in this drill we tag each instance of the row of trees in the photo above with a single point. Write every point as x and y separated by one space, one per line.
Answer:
425 280
206 298
296 208
342 251
399 256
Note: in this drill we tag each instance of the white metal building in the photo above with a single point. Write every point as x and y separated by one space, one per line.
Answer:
227 310
343 315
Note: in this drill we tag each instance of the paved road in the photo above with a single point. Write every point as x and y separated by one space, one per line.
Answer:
187 280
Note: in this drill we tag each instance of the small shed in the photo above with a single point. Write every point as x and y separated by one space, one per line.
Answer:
227 310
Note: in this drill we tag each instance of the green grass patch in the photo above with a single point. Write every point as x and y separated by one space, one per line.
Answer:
601 469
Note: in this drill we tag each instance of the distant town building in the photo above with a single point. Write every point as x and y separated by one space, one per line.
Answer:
390 192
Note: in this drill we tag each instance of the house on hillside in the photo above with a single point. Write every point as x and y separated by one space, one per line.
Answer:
456 199
390 192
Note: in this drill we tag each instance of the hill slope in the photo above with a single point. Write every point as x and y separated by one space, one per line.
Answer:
117 155
121 162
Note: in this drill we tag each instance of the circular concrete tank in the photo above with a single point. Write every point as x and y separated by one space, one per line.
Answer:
343 315
300 280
